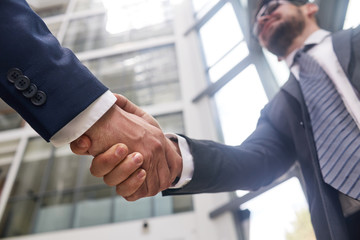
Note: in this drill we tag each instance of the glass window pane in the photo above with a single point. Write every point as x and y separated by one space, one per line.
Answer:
19 213
162 205
4 169
94 208
201 7
352 15
87 179
32 168
228 62
277 211
220 34
7 152
279 69
151 207
129 14
145 77
54 28
82 5
239 104
49 8
172 204
63 173
173 123
88 33
126 211
17 218
55 213
125 21
9 119
182 203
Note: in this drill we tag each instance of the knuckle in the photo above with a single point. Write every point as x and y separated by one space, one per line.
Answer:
153 191
165 185
121 150
120 191
157 145
131 198
108 181
94 172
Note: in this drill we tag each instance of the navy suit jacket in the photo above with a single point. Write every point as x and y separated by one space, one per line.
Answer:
283 136
27 44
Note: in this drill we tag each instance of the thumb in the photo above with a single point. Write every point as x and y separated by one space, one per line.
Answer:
128 106
81 145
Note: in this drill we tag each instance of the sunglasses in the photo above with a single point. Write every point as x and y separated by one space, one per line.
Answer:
266 10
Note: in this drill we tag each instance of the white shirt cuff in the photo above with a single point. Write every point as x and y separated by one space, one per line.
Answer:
188 161
82 122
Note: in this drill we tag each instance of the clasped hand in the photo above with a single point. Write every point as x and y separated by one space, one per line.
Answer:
153 163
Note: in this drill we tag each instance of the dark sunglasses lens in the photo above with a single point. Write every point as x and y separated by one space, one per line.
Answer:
271 8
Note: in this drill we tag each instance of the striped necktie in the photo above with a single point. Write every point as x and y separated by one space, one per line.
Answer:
336 134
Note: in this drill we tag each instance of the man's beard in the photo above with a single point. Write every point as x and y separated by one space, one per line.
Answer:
284 35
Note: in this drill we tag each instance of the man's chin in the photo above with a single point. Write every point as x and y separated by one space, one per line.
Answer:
277 51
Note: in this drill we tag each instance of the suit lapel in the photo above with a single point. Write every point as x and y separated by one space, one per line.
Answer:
347 48
342 48
292 87
355 61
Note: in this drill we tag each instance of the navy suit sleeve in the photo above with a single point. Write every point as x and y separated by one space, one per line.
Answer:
27 44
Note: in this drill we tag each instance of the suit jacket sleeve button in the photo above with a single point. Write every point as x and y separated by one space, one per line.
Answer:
22 83
39 98
30 91
13 74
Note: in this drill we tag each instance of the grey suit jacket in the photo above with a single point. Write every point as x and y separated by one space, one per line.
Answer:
283 136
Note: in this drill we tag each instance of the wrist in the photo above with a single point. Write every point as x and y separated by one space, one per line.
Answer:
186 160
175 143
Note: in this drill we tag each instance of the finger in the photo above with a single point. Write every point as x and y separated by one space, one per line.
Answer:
124 169
103 163
140 193
81 145
128 106
132 184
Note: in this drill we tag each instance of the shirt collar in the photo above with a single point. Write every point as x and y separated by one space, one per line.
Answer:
315 38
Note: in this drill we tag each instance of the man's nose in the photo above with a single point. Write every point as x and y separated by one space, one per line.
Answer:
261 22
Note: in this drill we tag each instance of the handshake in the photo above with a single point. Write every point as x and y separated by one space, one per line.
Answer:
147 164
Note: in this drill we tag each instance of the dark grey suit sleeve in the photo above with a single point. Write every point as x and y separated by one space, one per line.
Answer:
263 157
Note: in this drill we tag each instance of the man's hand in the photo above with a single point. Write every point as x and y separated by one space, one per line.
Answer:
158 164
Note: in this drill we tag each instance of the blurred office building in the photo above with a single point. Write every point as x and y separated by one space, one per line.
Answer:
194 65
